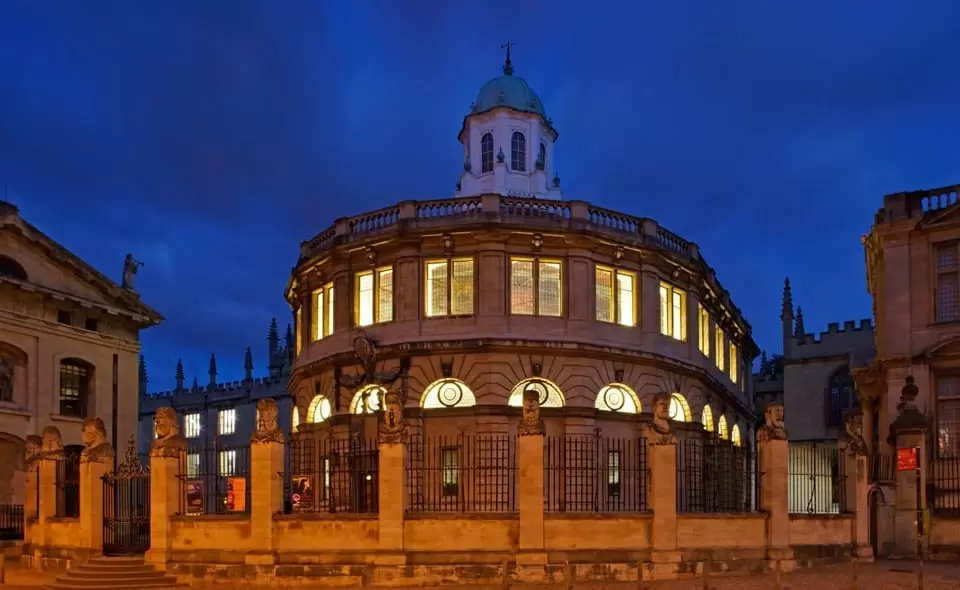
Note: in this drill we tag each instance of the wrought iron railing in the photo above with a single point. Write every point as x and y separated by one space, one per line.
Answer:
716 476
590 473
215 481
331 475
815 479
11 522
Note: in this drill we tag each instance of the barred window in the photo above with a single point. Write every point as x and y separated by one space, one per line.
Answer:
193 464
703 330
842 396
448 290
191 425
228 462
486 153
75 387
616 302
321 317
613 474
947 301
227 421
451 470
673 321
535 287
518 152
948 415
374 296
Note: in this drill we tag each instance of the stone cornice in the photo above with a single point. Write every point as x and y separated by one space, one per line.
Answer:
48 293
36 325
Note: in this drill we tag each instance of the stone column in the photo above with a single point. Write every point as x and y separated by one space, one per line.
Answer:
166 455
95 461
908 432
773 451
266 481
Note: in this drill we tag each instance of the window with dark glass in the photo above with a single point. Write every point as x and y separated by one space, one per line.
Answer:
842 396
948 415
486 153
542 157
11 269
64 317
947 299
74 388
518 152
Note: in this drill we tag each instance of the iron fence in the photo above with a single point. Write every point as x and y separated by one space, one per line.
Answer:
331 475
67 482
584 473
815 479
714 475
943 490
215 481
465 473
11 522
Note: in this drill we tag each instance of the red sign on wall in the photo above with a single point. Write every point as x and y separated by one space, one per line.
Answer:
906 459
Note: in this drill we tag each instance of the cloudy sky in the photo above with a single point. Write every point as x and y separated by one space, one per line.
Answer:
210 138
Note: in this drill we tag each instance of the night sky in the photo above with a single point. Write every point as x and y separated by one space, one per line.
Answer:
210 138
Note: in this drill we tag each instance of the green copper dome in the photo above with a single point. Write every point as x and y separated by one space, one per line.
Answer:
510 92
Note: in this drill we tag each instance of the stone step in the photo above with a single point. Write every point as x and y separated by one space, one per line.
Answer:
142 574
104 560
114 572
107 569
115 582
71 586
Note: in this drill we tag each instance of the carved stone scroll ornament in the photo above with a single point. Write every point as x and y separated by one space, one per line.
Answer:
32 451
658 431
52 443
852 439
530 413
169 442
391 424
96 449
772 428
268 427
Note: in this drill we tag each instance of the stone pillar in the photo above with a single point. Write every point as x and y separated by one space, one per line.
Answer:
392 502
92 470
862 549
853 455
662 460
531 557
774 459
166 455
51 452
266 480
908 432
31 500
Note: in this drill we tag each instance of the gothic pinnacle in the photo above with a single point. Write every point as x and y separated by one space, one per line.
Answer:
799 331
786 311
213 369
248 364
179 375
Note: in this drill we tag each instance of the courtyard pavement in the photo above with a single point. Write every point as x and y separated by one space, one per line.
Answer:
884 575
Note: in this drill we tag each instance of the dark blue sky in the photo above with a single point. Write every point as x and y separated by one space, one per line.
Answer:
210 138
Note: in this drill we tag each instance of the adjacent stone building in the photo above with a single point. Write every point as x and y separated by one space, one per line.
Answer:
69 343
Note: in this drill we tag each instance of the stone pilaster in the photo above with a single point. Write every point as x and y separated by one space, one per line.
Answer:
91 503
47 500
266 497
774 459
662 461
164 503
392 502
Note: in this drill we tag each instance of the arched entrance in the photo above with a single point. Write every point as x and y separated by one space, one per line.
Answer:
875 500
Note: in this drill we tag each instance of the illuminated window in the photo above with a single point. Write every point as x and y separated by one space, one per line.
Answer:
947 298
703 330
295 419
447 393
518 152
321 318
450 465
616 299
228 462
374 296
298 329
735 436
191 425
367 400
673 322
319 409
734 369
227 421
550 394
721 347
617 398
486 153
193 464
722 430
613 474
535 287
679 409
448 290
948 415
706 418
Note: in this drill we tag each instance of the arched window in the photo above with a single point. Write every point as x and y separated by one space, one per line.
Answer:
679 408
617 397
367 400
841 396
447 393
542 158
295 419
486 153
11 269
550 394
319 409
722 430
735 436
76 381
706 418
518 152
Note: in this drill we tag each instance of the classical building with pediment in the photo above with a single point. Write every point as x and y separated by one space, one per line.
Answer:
69 346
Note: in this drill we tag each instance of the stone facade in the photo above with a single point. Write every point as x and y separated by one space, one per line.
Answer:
69 343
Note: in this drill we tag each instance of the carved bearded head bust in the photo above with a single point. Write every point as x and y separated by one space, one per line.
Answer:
93 432
52 441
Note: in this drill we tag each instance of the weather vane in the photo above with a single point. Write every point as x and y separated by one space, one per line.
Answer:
507 65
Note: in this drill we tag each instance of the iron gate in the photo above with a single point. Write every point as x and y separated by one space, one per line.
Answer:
126 507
